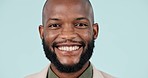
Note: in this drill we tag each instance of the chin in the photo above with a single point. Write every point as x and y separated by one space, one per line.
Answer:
69 63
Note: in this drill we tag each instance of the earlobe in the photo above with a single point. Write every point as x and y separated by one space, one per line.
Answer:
41 31
95 30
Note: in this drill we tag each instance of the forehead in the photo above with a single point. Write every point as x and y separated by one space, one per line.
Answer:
66 9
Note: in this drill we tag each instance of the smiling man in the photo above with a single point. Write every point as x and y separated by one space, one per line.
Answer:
68 33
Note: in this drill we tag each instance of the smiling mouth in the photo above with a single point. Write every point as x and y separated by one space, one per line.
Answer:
69 48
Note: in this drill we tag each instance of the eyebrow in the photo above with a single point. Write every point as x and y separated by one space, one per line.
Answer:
81 18
56 19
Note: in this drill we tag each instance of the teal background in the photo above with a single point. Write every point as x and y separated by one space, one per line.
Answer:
121 48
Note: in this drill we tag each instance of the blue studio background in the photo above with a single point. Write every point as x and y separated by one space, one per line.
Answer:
121 48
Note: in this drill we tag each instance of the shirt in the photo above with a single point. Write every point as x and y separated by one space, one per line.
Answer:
88 73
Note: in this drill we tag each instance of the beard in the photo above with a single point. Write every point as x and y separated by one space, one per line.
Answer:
85 56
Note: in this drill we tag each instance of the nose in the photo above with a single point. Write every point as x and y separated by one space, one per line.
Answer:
68 32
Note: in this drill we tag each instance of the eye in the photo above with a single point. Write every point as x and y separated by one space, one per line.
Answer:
54 26
81 25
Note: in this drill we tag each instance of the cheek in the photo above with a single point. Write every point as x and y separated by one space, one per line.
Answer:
51 34
49 37
86 35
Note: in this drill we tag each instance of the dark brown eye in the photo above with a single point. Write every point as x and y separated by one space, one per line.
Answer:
81 25
54 26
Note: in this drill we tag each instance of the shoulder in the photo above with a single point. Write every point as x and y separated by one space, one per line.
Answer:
33 75
101 74
106 75
41 74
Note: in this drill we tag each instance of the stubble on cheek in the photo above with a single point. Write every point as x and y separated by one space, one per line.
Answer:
50 38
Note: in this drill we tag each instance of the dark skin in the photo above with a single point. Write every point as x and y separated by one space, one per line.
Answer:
65 20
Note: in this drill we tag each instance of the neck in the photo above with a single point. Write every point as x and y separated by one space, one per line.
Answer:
69 75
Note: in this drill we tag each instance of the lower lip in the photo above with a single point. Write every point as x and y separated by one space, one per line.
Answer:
69 53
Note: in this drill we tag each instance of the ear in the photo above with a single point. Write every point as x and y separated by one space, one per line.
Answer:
95 30
41 31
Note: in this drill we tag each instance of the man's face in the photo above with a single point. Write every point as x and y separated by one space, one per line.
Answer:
68 30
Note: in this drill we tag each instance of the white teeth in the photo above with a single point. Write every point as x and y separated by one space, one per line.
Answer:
68 48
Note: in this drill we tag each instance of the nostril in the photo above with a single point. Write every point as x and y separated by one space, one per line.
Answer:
67 35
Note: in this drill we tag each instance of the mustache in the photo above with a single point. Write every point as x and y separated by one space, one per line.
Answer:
68 40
